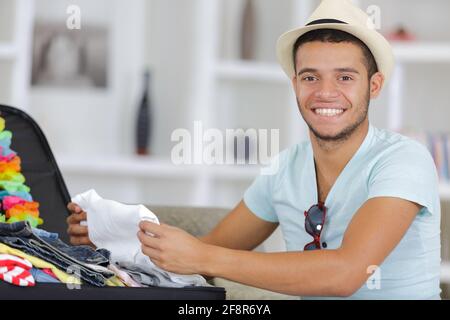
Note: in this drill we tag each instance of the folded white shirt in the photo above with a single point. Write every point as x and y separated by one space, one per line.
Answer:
114 226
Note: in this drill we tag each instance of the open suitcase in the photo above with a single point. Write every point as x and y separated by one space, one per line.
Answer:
48 188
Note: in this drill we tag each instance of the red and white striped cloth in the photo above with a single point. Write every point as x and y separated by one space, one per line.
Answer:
16 271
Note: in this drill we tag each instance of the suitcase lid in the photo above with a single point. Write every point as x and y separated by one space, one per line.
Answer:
39 168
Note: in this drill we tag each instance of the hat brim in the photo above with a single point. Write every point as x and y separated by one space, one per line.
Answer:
377 44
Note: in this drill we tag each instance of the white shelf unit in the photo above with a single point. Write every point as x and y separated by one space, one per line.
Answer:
15 51
147 167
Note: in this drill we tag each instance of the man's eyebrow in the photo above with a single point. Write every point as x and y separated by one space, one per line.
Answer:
306 70
312 70
351 70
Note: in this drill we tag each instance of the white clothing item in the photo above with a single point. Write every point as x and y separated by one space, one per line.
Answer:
114 226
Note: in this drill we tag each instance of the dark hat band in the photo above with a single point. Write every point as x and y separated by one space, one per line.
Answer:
322 21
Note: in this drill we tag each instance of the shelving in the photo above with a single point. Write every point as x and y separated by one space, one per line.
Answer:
16 17
152 167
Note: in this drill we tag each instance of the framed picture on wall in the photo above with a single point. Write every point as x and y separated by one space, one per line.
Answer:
70 58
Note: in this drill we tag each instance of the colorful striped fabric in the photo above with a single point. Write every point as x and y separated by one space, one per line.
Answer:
16 271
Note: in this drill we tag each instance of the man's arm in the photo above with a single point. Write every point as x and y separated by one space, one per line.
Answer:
374 232
240 229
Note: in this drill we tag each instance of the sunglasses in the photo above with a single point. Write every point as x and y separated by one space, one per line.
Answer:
314 222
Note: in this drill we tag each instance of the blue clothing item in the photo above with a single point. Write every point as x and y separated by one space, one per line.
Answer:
386 164
45 235
41 277
84 254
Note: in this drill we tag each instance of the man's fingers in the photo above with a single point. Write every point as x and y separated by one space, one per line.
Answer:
79 241
153 228
77 230
149 241
153 254
73 207
76 218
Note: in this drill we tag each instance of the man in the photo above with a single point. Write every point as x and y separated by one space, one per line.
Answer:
353 201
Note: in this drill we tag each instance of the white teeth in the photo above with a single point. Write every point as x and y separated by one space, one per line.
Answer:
328 112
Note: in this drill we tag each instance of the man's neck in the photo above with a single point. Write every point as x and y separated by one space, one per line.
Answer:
331 157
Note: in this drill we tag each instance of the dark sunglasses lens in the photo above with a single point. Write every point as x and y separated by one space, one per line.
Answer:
311 246
315 215
313 220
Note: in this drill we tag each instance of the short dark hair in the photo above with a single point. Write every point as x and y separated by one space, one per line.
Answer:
337 36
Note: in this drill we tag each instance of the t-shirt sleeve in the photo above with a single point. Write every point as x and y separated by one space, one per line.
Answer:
259 196
409 173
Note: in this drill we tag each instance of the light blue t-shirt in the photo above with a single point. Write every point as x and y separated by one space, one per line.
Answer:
386 164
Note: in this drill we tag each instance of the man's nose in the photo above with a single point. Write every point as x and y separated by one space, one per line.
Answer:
327 90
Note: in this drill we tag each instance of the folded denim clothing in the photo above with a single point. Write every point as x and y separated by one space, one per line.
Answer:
85 254
45 235
114 226
20 236
156 277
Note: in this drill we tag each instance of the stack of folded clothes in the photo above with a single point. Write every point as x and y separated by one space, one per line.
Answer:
54 260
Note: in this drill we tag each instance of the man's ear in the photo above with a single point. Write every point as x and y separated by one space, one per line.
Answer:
376 84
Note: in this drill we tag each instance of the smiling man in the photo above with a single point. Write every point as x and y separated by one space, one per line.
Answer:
352 200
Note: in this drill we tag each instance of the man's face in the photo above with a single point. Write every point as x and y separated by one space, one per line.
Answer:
332 88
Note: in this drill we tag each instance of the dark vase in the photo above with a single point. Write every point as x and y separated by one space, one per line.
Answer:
143 121
248 31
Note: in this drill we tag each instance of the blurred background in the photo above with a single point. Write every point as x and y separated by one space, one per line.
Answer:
77 67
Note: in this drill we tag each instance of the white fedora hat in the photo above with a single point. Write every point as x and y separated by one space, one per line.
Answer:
339 15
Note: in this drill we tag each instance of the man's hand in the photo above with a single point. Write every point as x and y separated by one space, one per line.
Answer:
78 234
173 249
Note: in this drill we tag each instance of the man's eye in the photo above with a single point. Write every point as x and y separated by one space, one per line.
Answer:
346 78
309 78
